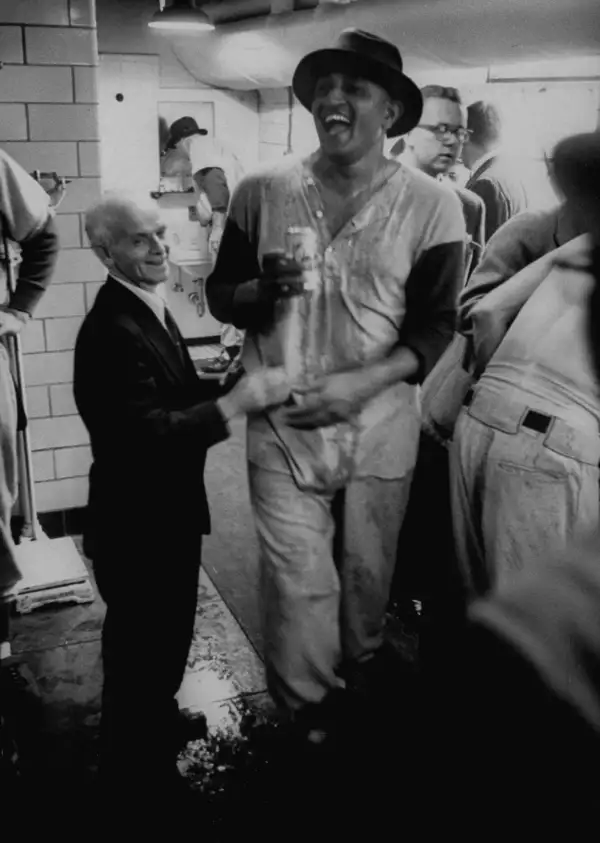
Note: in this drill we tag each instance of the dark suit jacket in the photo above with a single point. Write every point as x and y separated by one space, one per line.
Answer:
503 189
151 421
474 214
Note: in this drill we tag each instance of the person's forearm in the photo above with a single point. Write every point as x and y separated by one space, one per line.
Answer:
401 365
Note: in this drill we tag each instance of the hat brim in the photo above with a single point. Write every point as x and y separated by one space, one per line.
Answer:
400 88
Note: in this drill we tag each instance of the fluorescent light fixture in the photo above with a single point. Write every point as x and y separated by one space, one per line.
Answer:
181 16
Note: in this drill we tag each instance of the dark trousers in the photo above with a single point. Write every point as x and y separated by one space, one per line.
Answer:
427 567
151 600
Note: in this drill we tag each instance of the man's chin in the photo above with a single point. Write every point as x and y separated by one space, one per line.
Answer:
156 277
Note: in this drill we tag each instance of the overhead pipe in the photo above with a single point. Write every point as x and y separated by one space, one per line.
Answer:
237 11
232 11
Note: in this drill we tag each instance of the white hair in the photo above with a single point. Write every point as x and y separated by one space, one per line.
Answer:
106 216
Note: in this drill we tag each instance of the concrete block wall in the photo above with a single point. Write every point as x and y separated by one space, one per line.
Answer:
282 125
49 122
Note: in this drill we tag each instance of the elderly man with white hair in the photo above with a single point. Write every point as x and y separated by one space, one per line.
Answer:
151 421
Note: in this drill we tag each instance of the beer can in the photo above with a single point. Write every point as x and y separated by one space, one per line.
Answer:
302 244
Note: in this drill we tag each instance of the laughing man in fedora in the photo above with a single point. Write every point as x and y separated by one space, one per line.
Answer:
330 475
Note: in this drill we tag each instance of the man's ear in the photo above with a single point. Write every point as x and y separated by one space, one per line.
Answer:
393 111
103 256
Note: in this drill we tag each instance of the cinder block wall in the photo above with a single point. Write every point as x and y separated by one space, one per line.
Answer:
48 121
281 125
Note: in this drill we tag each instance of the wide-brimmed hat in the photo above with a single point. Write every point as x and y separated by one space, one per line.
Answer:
183 128
368 56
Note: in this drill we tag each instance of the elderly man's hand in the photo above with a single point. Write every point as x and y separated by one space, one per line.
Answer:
329 400
11 323
255 392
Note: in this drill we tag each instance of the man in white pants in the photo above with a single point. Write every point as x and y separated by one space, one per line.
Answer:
330 477
526 447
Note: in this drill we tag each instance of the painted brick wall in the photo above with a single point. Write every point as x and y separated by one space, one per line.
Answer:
48 122
282 125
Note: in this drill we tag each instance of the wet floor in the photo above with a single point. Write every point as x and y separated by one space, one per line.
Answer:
244 770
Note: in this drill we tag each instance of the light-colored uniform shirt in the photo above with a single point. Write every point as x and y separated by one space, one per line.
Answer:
546 352
409 234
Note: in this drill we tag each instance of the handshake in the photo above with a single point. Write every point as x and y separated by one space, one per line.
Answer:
254 392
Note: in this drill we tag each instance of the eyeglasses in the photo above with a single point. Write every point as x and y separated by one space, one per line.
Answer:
442 129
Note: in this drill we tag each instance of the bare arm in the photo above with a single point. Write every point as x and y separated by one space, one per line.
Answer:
492 315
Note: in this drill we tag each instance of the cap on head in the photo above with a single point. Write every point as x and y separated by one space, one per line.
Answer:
183 128
367 56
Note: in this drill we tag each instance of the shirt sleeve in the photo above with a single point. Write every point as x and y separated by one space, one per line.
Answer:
431 292
25 205
38 259
213 182
237 261
434 283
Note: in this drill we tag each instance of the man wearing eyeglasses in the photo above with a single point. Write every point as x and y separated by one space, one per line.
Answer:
434 147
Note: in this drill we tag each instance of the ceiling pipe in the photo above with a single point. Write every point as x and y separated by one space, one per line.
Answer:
237 11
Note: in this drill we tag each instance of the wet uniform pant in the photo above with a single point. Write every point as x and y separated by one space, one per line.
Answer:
524 483
327 562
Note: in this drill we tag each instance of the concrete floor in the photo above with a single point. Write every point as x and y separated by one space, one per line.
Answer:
243 767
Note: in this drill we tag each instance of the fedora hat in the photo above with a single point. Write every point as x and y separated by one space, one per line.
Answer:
183 128
368 56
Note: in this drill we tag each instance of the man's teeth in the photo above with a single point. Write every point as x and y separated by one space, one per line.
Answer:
337 118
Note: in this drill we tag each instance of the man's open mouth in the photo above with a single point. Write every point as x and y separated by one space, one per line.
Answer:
335 122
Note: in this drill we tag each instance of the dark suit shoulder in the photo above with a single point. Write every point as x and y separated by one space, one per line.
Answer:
117 310
471 201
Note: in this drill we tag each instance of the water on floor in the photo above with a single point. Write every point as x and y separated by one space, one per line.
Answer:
240 763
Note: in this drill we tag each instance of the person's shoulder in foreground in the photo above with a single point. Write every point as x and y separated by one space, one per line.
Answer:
437 207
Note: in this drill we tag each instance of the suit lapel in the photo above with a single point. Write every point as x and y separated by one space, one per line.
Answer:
127 304
479 171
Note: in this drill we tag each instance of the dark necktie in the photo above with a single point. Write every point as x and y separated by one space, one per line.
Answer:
173 330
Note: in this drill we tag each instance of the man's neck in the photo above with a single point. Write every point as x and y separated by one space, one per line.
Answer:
346 177
141 285
484 156
409 158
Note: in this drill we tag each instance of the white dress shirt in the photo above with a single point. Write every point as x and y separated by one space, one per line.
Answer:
154 300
